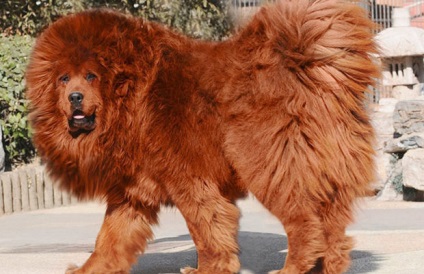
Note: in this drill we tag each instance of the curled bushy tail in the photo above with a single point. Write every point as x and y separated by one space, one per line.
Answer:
324 42
311 62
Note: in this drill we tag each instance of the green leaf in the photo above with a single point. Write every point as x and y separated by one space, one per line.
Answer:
14 51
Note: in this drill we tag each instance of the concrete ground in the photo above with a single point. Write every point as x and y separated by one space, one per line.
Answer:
389 236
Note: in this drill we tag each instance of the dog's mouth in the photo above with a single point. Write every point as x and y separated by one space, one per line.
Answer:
81 122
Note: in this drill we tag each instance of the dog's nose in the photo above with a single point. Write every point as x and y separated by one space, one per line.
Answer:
76 98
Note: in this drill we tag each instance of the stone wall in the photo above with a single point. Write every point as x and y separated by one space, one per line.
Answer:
405 151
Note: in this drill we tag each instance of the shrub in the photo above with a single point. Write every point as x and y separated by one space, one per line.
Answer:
21 17
14 53
198 18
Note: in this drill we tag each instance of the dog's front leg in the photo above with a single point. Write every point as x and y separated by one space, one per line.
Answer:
122 237
213 224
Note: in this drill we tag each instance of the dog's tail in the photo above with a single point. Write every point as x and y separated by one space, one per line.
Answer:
325 44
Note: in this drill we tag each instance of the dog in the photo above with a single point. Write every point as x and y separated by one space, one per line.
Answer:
135 114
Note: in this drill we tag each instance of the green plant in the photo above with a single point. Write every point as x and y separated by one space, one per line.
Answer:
207 19
30 17
14 51
197 18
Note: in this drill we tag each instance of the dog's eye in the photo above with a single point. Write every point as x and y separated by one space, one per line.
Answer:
90 77
64 78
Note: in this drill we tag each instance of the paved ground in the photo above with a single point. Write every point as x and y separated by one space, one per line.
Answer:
390 239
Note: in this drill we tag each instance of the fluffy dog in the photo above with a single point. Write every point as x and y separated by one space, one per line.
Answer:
140 116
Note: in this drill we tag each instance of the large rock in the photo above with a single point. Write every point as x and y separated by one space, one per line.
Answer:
2 154
413 169
404 143
408 116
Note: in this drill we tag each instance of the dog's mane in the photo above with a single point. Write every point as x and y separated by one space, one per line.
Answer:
120 45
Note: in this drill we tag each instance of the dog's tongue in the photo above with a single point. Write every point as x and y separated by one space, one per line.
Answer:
79 117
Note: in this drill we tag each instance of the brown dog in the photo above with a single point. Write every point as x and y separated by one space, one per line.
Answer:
133 113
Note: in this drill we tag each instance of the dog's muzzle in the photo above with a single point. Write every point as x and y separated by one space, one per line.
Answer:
79 120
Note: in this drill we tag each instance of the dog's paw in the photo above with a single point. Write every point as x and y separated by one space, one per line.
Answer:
188 270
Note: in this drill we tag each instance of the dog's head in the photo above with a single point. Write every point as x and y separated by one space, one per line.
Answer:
79 96
69 96
82 64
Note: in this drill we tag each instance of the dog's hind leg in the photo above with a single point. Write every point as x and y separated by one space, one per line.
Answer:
317 243
336 217
213 224
122 237
306 240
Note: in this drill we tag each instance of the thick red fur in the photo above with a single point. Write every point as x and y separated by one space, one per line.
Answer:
277 110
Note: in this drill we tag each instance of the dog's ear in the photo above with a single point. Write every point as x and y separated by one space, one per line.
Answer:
123 84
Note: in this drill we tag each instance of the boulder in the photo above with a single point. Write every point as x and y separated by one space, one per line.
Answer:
413 169
404 143
408 117
412 195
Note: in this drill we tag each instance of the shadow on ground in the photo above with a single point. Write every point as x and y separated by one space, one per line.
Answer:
260 253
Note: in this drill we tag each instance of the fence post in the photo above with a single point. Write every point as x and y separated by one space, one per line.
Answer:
66 198
74 200
7 192
57 194
39 187
16 191
48 191
23 178
32 189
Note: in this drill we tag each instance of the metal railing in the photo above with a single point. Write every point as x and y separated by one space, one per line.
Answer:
380 11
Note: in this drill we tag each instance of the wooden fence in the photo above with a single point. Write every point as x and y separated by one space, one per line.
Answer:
30 189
